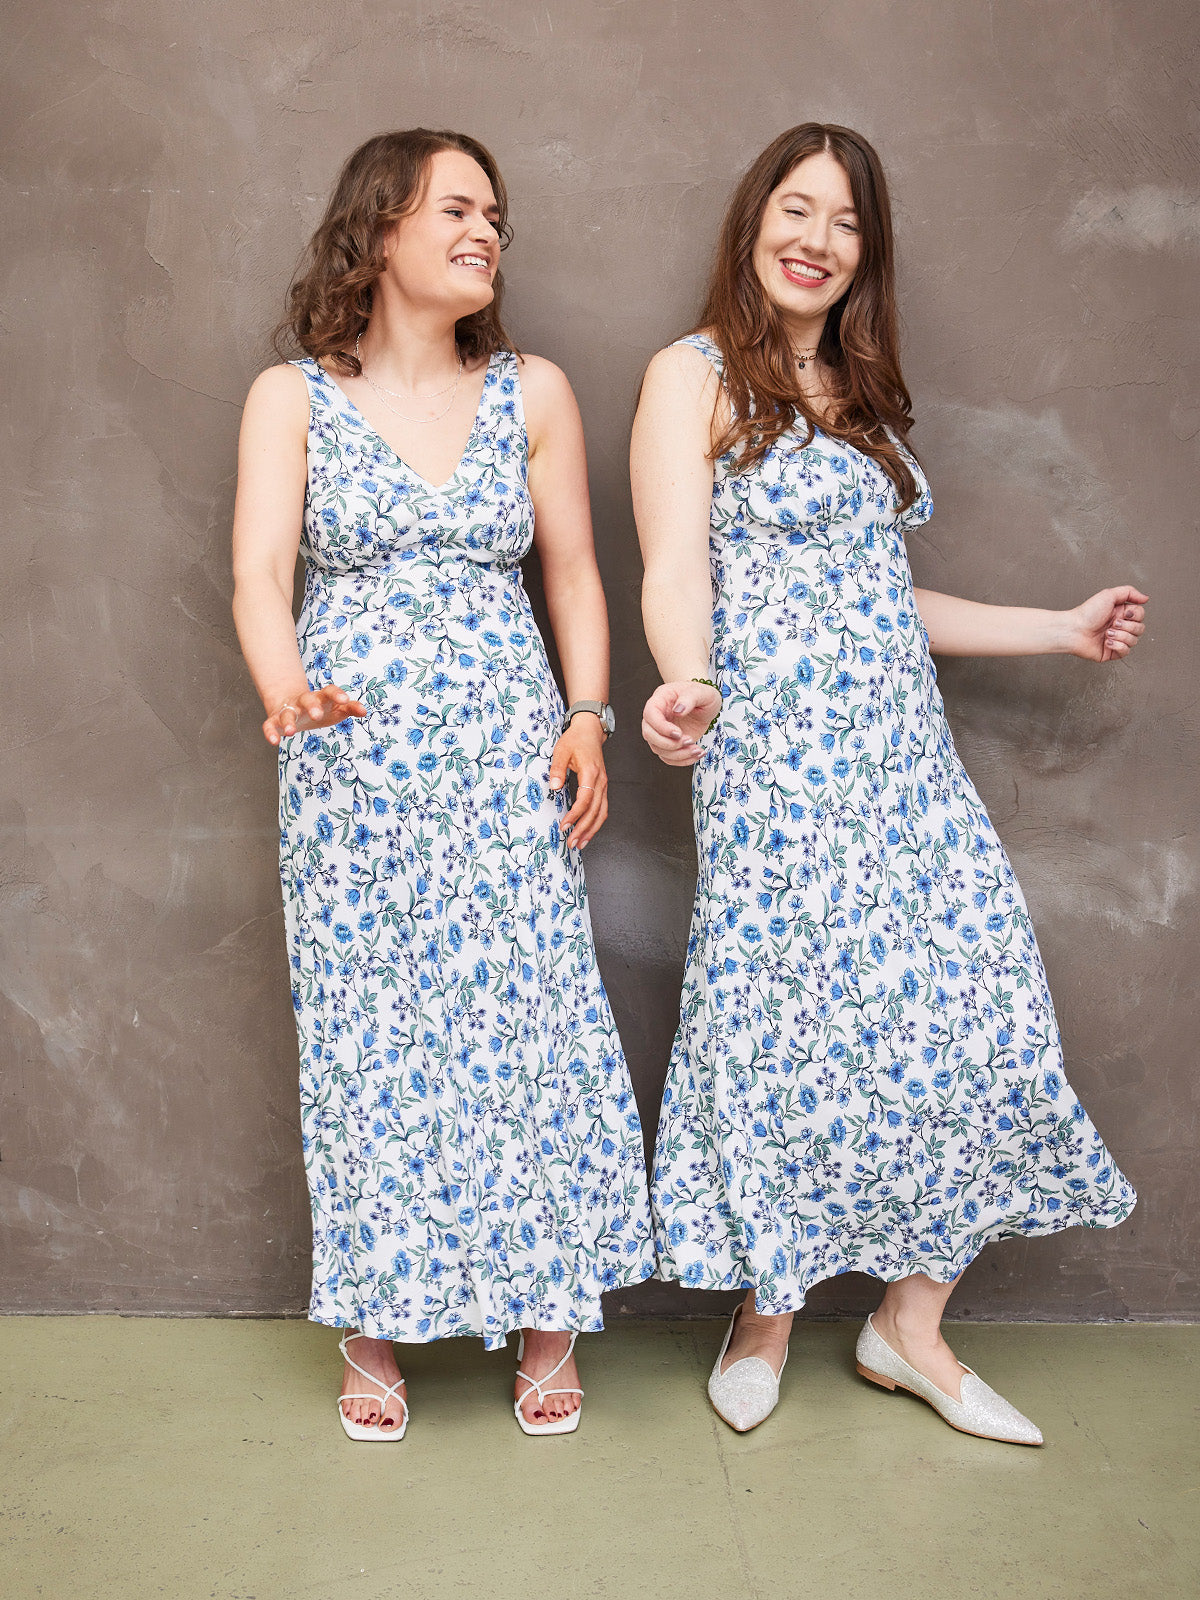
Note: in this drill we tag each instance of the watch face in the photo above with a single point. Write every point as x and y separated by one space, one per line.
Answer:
608 720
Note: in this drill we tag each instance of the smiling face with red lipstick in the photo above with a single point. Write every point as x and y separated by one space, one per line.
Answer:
809 245
802 303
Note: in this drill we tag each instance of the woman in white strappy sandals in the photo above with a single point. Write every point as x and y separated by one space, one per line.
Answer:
867 1074
471 1141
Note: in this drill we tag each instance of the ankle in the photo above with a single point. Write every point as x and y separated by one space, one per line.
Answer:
911 1329
546 1336
776 1324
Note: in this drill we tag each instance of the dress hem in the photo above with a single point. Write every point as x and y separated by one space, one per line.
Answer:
942 1272
590 1321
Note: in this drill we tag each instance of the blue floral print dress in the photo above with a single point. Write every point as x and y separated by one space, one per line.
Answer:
867 1074
472 1145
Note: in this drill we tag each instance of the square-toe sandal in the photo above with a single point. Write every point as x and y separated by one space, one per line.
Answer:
980 1411
748 1393
542 1389
373 1433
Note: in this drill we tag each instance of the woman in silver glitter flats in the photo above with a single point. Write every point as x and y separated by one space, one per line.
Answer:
867 1075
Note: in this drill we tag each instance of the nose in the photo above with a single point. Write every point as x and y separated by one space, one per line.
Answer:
814 235
486 230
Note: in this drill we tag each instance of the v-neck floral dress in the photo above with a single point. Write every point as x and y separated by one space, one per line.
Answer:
472 1145
867 1074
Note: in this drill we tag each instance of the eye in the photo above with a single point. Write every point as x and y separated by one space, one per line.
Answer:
850 227
794 211
454 211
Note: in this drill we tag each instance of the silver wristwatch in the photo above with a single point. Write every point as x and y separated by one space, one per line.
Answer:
598 708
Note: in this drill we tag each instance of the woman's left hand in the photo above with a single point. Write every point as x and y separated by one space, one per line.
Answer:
579 751
1106 627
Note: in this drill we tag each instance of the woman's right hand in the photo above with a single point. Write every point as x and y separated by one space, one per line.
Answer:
676 718
312 708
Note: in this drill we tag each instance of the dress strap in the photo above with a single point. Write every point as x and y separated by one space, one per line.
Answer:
502 408
319 386
708 348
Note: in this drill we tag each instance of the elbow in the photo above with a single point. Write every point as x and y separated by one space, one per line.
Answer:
575 586
660 580
254 586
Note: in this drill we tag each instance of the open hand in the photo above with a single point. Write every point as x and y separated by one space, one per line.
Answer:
1107 626
579 751
313 708
676 717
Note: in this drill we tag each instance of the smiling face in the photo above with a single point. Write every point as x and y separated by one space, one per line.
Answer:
809 245
445 253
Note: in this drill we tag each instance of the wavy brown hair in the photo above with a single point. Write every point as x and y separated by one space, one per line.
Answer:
329 300
859 345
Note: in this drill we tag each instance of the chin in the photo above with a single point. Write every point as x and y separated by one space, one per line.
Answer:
466 304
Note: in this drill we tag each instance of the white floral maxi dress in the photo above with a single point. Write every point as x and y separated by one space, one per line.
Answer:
472 1144
867 1074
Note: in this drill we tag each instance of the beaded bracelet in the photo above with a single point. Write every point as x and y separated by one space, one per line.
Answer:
708 683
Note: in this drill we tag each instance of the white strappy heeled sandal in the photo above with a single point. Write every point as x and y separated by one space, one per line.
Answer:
542 1389
372 1433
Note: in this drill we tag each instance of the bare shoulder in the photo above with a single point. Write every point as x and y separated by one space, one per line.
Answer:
280 394
542 383
681 372
551 412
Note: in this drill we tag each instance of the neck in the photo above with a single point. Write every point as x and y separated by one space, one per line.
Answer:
406 345
804 333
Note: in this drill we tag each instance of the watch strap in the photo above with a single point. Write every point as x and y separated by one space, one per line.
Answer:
597 709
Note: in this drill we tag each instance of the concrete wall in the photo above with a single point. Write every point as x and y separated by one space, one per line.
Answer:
162 167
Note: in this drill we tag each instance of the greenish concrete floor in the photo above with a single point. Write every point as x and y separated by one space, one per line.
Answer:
204 1459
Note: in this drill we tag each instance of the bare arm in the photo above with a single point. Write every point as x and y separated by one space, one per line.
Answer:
1104 628
272 471
672 478
558 486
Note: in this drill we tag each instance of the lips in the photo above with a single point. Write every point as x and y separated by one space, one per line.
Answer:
479 263
805 273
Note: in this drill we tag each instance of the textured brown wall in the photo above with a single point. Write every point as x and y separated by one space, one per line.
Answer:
162 167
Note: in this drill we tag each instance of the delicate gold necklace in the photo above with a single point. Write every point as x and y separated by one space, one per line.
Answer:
803 357
383 392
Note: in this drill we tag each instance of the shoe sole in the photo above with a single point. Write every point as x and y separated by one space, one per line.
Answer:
891 1384
564 1425
364 1433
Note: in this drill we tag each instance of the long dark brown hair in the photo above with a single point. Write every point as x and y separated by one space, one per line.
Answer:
859 345
329 300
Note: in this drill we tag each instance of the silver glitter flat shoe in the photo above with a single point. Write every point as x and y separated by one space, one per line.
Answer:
981 1410
748 1393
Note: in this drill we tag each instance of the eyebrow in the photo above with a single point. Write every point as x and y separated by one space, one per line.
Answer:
794 194
465 200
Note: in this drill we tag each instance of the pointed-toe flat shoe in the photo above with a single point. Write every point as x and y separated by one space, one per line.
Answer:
748 1392
980 1411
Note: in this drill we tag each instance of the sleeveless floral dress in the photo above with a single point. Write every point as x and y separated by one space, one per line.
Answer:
472 1145
867 1074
